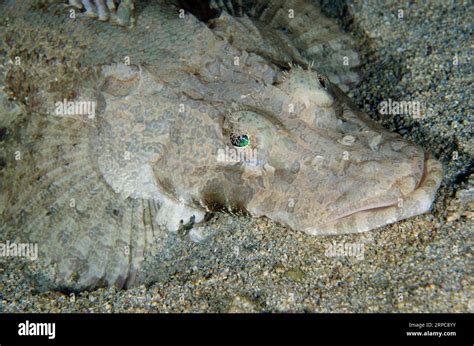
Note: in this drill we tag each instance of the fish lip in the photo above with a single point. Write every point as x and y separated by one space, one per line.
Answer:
424 177
420 201
421 180
351 214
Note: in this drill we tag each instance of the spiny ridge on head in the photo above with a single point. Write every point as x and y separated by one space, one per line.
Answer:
307 86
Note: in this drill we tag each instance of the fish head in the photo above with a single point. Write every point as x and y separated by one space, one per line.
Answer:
306 157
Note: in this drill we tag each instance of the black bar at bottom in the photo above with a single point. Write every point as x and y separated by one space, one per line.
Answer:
292 329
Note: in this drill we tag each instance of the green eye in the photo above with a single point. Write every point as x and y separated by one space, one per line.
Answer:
240 141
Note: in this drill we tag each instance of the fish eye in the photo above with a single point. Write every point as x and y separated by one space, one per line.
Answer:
240 141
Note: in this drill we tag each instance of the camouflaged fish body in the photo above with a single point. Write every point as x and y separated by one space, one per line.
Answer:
198 122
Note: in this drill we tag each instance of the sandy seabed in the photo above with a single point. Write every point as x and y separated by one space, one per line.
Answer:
410 53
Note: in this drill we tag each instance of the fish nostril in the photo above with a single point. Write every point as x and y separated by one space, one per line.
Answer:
347 140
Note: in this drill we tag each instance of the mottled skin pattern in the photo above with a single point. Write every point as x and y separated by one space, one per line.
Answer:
149 159
305 175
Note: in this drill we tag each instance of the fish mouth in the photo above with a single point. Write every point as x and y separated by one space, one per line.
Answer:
416 202
393 202
424 171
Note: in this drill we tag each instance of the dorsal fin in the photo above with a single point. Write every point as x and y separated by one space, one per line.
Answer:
293 31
